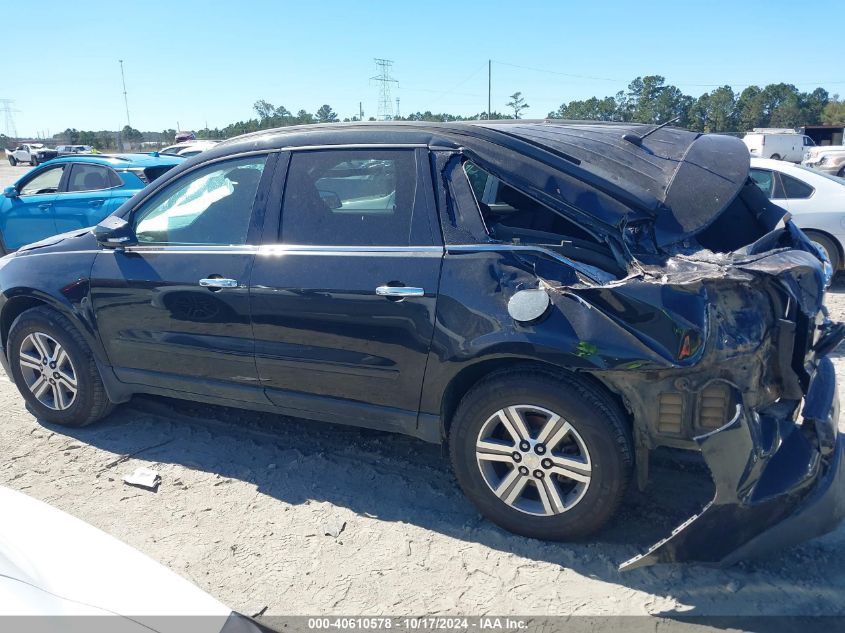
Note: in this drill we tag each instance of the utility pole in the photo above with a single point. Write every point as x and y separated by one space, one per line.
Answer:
125 98
385 103
489 86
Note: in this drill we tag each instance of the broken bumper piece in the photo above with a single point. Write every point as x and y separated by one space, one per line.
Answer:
778 482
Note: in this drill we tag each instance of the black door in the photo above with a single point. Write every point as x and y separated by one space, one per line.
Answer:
173 311
343 302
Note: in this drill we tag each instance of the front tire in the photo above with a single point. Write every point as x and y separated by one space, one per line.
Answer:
54 369
540 454
33 161
12 161
775 156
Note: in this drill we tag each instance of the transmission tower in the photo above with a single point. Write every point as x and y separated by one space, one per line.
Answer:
125 99
385 103
9 119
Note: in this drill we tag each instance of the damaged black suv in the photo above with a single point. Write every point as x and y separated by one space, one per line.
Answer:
553 300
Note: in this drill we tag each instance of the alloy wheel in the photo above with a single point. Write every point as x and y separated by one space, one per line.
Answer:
48 371
533 460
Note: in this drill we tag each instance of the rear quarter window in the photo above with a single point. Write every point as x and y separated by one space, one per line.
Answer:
794 188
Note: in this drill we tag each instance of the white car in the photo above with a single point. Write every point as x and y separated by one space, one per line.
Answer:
816 201
188 148
53 564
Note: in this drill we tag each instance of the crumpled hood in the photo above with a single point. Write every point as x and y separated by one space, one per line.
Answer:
54 564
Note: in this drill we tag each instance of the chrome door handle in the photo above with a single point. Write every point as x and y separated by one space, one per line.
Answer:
399 291
218 283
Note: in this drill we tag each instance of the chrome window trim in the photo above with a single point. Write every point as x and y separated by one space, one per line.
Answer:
295 148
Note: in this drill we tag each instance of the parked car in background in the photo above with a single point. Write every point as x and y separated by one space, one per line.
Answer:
550 300
816 201
188 148
781 145
829 159
32 153
73 192
75 149
53 564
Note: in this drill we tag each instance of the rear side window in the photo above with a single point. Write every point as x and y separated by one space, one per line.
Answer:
85 177
794 188
509 215
210 206
764 179
349 198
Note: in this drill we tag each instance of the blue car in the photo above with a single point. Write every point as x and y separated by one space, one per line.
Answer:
73 192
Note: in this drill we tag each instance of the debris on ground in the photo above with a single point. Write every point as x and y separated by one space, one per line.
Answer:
143 477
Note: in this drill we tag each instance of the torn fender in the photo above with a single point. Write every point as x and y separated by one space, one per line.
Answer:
778 481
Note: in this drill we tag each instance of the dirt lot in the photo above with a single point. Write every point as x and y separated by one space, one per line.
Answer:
307 518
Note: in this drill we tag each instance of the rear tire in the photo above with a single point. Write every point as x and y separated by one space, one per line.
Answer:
841 173
829 247
12 161
775 156
538 493
54 369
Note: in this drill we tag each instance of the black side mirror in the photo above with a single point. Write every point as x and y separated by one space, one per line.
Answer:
115 232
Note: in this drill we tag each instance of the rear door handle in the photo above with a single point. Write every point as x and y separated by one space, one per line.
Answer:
45 207
96 203
213 282
399 291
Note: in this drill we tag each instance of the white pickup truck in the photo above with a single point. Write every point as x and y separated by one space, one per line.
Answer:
32 153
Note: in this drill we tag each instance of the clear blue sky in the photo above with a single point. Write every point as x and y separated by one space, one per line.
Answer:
198 61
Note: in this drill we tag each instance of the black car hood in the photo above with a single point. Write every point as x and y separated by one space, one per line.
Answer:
683 180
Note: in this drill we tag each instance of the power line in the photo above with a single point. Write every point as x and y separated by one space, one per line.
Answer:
385 103
698 85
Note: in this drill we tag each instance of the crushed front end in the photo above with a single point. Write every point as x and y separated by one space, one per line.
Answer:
751 387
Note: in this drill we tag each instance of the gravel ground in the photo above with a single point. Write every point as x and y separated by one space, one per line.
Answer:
308 518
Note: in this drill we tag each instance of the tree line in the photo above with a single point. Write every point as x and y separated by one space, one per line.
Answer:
651 100
647 99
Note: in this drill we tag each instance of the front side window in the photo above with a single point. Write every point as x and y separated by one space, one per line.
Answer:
85 177
212 206
45 182
764 179
794 188
349 198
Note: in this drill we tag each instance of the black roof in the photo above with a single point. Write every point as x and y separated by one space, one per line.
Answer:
684 179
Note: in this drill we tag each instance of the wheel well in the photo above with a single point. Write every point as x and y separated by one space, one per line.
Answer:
470 376
832 239
12 310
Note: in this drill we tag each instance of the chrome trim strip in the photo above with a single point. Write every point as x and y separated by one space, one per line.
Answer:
293 148
302 249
